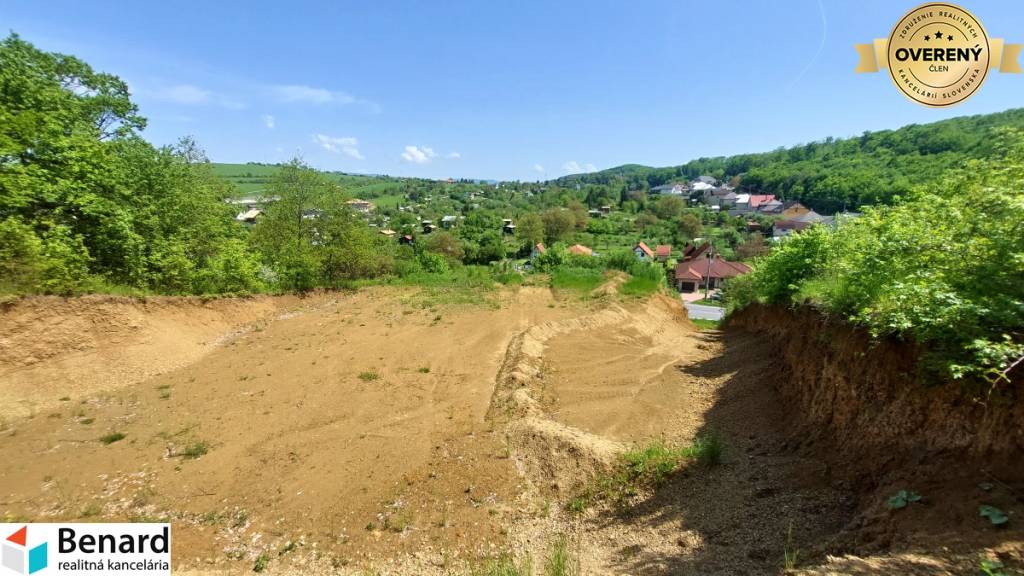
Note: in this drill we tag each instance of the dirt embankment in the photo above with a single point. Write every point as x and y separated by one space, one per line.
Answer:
864 394
108 342
857 404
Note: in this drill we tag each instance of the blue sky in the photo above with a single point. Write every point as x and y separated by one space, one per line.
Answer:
495 88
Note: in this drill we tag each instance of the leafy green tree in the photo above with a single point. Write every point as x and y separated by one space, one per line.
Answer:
530 229
558 223
445 244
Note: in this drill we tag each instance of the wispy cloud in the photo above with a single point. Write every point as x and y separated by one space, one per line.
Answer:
186 95
574 167
454 156
418 154
268 121
539 168
311 95
346 145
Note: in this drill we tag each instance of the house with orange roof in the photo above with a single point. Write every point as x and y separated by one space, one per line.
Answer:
642 251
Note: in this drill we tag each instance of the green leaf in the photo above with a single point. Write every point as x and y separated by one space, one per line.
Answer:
898 501
996 516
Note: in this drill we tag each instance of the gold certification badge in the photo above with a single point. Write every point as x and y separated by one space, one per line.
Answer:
938 54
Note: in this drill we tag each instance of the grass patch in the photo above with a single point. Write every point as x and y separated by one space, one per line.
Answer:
644 280
706 324
261 563
583 280
715 303
91 509
112 437
639 286
195 450
560 561
647 466
424 370
369 376
460 286
504 565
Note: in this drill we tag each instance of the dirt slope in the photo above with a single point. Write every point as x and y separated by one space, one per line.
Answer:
355 427
106 342
380 432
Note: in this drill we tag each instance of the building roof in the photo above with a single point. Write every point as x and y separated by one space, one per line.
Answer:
759 199
701 186
714 267
645 248
581 250
448 219
249 215
810 217
387 232
540 248
663 250
691 251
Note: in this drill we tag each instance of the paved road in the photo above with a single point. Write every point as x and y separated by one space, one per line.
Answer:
701 312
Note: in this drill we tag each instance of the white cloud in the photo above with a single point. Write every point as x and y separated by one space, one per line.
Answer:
268 121
539 168
574 167
311 95
418 154
346 145
184 94
454 155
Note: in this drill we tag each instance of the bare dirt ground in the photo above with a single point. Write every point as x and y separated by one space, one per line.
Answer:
377 432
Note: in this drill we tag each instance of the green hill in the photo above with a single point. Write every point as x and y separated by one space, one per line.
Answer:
832 173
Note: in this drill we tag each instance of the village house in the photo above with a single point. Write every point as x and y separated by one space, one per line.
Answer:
643 252
428 226
663 252
449 222
405 240
701 268
791 210
770 208
676 189
537 250
388 232
363 206
507 227
249 216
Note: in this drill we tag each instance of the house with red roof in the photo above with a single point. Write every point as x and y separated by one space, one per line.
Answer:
643 251
662 252
701 267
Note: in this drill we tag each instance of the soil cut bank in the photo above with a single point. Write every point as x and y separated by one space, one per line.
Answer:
383 432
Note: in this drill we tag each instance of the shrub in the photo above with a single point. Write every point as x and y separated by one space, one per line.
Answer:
942 269
112 437
575 278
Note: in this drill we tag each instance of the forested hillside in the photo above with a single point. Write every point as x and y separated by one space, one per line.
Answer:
831 174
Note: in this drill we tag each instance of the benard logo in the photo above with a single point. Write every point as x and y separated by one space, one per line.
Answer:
18 557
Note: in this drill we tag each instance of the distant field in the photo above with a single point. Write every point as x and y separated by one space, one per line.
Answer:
252 178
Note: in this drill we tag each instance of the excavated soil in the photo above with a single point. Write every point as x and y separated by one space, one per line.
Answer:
375 433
